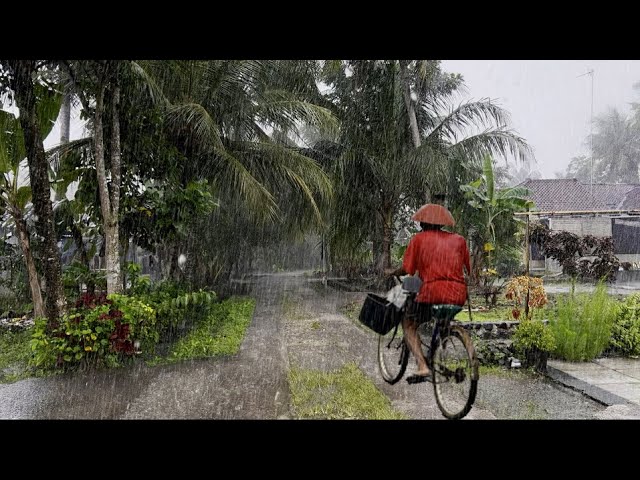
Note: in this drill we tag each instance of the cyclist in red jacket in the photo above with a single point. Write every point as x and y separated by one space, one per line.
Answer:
439 258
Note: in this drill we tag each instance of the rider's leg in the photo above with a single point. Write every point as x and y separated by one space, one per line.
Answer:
410 328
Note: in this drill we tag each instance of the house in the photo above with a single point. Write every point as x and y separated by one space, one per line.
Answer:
599 210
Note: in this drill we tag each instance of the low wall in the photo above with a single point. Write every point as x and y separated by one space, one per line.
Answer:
493 343
628 276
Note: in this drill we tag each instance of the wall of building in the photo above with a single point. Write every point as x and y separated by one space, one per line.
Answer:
581 226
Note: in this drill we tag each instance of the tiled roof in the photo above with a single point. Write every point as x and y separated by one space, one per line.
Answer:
562 194
612 195
559 194
632 199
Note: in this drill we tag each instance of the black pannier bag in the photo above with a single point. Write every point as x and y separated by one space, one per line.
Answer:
378 314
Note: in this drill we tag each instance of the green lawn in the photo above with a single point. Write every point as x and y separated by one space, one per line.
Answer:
14 354
342 394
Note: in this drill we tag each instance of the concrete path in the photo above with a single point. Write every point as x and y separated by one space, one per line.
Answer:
614 382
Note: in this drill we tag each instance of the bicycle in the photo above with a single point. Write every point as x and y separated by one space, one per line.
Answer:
450 356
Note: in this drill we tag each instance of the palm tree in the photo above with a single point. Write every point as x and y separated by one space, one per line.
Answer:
236 124
616 148
98 85
392 168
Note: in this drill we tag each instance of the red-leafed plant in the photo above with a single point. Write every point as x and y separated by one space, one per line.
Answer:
98 331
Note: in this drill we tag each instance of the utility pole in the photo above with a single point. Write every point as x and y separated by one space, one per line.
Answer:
590 73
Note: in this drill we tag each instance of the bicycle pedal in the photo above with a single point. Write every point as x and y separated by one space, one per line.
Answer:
459 375
419 378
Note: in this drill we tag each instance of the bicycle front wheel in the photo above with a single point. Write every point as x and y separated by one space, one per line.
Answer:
393 355
455 370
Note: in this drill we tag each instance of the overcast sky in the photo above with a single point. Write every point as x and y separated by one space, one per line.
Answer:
549 106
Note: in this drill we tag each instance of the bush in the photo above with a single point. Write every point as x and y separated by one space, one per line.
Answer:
75 275
582 324
517 292
533 335
175 305
99 331
625 332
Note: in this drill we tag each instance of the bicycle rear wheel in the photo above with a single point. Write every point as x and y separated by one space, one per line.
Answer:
455 370
393 355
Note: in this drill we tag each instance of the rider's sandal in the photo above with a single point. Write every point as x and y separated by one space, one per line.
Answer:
420 378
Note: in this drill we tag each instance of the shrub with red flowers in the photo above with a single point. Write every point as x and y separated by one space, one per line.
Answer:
98 331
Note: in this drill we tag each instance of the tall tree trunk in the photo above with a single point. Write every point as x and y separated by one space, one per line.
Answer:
103 190
65 117
109 201
387 234
65 136
32 273
384 234
113 253
411 111
25 97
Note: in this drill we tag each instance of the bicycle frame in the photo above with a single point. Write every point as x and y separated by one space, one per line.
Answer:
441 326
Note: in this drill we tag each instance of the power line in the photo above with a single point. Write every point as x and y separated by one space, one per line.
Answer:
590 73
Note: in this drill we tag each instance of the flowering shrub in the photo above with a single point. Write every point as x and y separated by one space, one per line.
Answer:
99 330
517 292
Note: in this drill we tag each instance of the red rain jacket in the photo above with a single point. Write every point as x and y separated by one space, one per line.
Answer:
438 256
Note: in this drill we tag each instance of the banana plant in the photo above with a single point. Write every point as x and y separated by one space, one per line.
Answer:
15 191
493 208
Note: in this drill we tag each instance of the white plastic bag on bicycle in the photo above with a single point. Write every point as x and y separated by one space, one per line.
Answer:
397 295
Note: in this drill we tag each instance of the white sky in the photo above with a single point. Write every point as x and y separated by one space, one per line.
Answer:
549 106
76 132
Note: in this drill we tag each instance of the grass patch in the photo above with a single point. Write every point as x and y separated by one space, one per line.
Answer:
343 394
15 352
220 333
315 325
351 310
494 370
534 411
498 314
582 324
502 371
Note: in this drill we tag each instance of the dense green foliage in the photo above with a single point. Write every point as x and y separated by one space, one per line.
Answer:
533 334
625 331
99 331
